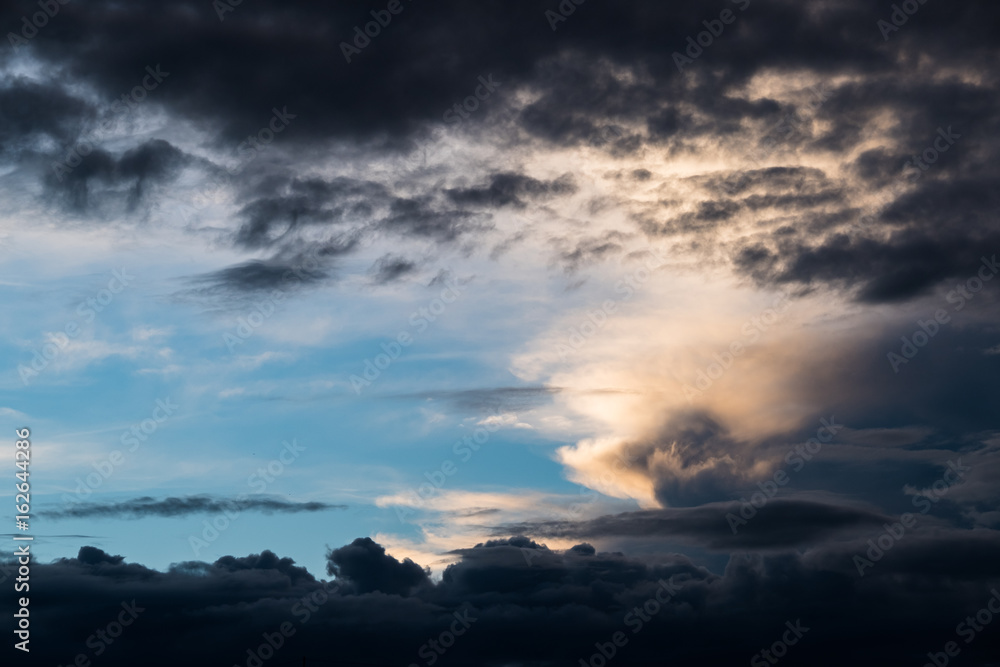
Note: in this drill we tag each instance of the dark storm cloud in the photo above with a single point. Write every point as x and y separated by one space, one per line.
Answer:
801 192
301 203
31 112
956 402
787 180
781 524
423 218
909 264
296 265
231 72
879 166
229 75
557 604
266 560
102 183
806 201
697 457
510 189
258 275
369 568
711 460
347 213
139 508
936 214
928 227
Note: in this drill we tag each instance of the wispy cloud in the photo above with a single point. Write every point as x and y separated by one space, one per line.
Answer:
143 507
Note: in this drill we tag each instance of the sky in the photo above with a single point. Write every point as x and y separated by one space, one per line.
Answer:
527 333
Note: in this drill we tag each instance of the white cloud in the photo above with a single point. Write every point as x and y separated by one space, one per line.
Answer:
144 333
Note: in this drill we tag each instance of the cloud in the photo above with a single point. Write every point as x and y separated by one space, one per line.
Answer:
304 203
366 565
390 268
558 603
581 99
781 524
492 400
34 113
139 508
908 265
144 333
298 266
794 177
103 183
257 276
508 189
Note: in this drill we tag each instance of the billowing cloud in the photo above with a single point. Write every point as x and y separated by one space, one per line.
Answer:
562 605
